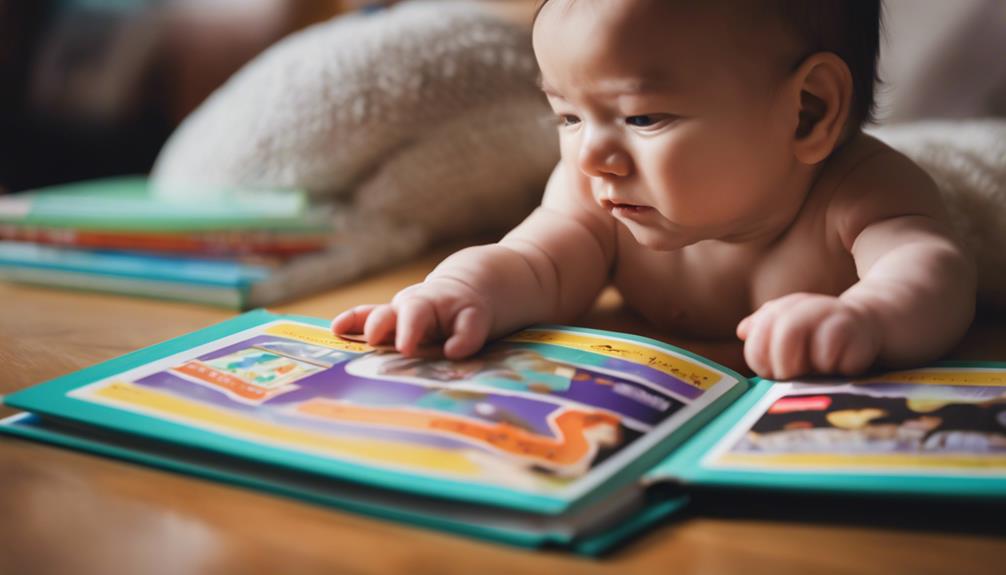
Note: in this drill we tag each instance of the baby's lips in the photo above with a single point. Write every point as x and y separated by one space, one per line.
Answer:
614 203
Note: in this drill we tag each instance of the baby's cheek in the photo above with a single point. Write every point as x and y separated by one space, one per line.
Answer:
697 191
763 158
681 173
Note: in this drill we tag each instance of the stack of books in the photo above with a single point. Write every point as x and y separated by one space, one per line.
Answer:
230 248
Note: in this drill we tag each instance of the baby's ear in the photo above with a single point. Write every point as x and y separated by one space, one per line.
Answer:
824 83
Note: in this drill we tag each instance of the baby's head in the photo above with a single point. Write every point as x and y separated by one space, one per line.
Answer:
705 119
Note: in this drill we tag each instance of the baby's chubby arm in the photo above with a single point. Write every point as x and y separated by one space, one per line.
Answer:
913 302
550 268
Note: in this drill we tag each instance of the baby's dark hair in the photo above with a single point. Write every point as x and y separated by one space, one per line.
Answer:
849 28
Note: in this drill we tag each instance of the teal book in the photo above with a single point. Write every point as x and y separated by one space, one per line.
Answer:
555 436
220 282
132 204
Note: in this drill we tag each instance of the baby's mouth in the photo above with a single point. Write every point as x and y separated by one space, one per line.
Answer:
624 208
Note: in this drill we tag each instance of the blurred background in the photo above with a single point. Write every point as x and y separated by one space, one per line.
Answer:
94 87
91 88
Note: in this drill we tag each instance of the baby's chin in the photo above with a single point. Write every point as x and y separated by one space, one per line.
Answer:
660 240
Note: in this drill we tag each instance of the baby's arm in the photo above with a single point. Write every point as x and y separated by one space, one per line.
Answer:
550 268
913 302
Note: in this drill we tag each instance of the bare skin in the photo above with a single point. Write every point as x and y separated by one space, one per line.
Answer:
722 193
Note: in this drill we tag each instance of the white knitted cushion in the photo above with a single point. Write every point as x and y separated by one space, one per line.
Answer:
423 118
967 159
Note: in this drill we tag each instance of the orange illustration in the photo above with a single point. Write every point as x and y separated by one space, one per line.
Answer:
570 451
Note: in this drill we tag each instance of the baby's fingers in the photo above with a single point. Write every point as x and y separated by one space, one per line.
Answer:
841 345
744 327
470 330
352 320
757 345
379 324
417 320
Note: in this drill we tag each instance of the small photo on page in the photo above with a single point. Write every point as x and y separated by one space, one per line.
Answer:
935 421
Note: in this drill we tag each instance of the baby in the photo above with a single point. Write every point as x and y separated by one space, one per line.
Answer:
714 171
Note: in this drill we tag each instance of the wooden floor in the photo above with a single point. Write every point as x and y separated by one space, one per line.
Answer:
67 512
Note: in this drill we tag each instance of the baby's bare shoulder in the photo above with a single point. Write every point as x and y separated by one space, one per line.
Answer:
568 214
874 182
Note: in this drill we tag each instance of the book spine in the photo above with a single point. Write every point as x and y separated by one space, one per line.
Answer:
14 256
222 243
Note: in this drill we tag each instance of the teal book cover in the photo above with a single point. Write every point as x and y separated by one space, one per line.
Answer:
554 436
221 282
133 203
163 267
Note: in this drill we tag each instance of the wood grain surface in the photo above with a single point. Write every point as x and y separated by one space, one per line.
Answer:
67 512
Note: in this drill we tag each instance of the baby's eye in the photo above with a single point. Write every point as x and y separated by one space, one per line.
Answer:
645 120
568 120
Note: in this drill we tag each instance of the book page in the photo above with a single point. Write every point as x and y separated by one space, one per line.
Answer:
551 411
936 421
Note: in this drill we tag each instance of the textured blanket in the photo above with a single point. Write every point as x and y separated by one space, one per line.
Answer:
423 121
967 159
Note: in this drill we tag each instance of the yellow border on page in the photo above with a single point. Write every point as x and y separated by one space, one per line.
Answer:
317 336
969 377
689 371
870 461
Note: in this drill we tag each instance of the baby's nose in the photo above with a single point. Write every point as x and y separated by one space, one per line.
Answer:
604 159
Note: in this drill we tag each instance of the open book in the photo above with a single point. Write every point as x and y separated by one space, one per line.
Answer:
553 436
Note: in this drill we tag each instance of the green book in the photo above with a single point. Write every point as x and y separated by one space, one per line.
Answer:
135 204
554 436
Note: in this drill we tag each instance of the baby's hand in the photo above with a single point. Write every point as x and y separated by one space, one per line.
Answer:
804 333
434 310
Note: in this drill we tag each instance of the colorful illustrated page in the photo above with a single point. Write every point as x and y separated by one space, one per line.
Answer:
939 421
545 411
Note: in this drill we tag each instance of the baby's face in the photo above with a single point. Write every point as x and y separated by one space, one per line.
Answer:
676 114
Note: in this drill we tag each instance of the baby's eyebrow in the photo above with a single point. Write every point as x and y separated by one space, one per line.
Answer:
543 86
634 85
627 85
